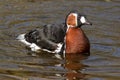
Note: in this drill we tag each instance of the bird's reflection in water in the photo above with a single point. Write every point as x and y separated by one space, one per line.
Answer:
74 66
71 64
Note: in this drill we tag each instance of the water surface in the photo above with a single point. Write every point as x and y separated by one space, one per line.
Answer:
20 16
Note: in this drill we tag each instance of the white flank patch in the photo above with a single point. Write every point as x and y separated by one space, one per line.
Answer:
55 51
34 47
58 48
21 38
82 19
48 51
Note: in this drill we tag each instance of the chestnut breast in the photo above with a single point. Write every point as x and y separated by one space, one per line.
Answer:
76 41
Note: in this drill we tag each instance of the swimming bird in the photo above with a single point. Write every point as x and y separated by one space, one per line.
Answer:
75 39
64 38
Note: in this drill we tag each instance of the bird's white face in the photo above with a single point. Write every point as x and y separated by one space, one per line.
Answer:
76 20
83 19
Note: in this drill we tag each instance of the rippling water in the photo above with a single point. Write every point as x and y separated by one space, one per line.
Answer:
20 16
